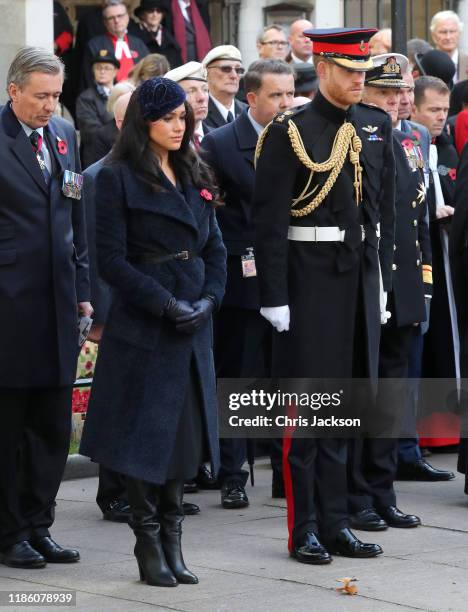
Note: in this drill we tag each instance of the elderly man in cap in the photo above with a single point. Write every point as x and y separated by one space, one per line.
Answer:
91 111
224 66
193 80
372 461
317 256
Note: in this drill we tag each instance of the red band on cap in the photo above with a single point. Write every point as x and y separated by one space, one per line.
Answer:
360 49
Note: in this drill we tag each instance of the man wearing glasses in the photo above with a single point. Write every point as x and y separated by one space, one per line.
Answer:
127 49
224 69
272 43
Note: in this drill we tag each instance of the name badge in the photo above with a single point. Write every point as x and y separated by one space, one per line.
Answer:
72 184
248 264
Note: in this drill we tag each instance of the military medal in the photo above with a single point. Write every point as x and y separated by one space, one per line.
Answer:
72 184
248 264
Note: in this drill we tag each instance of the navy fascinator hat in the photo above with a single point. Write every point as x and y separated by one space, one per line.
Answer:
159 96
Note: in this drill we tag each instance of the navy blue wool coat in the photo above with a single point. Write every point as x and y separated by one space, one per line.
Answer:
142 371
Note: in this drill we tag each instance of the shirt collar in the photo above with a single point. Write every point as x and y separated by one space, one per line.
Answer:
398 125
199 130
29 130
255 124
297 60
223 110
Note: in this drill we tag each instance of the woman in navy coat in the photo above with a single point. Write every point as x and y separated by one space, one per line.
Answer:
153 412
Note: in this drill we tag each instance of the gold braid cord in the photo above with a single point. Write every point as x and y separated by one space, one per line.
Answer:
346 140
261 138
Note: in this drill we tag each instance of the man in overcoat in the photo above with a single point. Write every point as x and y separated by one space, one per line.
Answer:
318 268
44 288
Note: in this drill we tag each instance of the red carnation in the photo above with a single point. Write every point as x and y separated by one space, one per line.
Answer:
206 195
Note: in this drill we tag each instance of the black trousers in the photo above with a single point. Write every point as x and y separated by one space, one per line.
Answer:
372 462
112 486
315 484
34 442
242 349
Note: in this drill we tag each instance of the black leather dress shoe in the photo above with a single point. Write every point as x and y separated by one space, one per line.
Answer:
367 520
309 550
348 545
53 553
190 509
396 518
117 511
233 496
190 486
22 555
205 479
423 471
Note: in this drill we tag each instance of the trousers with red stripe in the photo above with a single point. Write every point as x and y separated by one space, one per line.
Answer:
315 486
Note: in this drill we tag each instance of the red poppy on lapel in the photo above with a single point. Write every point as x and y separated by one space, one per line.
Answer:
407 143
452 173
206 195
62 146
134 54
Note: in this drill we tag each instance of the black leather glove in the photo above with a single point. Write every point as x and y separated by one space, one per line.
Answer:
202 309
177 308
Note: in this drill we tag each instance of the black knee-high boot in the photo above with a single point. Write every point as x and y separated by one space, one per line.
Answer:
171 517
143 498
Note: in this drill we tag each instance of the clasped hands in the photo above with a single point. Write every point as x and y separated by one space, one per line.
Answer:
187 317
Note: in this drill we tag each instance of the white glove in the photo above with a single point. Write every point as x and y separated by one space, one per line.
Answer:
278 316
384 313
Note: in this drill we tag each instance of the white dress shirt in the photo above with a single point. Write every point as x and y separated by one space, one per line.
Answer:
223 110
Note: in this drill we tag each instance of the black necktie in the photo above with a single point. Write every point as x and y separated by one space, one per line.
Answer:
229 117
36 142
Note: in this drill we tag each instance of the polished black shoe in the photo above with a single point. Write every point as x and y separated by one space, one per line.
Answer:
348 545
22 555
396 518
53 553
367 520
190 509
117 511
421 470
190 487
233 496
277 487
309 550
205 479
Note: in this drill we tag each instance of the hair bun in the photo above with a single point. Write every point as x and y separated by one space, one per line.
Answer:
159 96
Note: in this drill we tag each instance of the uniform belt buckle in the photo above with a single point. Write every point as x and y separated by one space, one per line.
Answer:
182 256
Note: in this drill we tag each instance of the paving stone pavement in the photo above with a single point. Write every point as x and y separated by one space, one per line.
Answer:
241 559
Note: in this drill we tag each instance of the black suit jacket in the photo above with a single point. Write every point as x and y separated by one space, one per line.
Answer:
214 118
230 150
43 259
91 115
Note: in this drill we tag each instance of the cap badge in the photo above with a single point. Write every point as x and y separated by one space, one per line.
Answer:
362 46
103 52
391 66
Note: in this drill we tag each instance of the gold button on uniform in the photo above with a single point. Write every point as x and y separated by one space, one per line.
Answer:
417 242
413 204
394 247
418 262
415 222
394 267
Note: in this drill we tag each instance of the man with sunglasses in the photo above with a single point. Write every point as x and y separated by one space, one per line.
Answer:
224 69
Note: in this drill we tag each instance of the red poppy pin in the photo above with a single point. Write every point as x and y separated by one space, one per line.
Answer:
452 173
407 143
206 195
62 146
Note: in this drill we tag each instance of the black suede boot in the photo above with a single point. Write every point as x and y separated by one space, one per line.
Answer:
143 499
172 515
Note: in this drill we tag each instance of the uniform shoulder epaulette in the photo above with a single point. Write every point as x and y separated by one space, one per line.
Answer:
288 114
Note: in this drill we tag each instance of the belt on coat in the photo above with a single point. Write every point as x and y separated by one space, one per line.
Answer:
154 258
323 234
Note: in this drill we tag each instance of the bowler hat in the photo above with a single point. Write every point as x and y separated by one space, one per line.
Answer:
436 63
149 5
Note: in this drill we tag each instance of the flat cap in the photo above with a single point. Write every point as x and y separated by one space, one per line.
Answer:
190 70
227 52
388 71
347 47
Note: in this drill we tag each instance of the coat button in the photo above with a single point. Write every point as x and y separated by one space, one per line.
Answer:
413 204
417 242
415 222
418 262
394 267
394 247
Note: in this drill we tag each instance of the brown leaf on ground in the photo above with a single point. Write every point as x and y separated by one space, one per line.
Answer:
348 588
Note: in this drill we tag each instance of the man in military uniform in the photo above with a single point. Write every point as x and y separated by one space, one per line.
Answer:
324 183
373 461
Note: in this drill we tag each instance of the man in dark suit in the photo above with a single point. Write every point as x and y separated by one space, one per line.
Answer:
44 289
128 49
242 336
224 67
